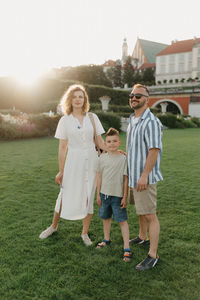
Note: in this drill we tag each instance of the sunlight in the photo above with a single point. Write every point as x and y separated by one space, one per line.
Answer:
27 79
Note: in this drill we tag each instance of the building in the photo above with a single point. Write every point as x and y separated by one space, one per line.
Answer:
179 62
145 52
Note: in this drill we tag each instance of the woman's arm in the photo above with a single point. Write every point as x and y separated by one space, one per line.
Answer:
101 143
61 159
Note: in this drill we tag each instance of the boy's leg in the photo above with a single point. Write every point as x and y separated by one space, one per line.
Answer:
106 229
125 233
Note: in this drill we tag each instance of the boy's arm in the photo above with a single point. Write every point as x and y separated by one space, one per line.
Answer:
125 192
99 179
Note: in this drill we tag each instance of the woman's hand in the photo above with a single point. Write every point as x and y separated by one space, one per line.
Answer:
59 178
122 152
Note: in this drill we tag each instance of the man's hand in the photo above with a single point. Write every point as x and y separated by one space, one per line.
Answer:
123 203
142 183
59 178
99 200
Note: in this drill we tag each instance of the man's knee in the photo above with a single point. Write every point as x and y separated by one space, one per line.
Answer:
150 218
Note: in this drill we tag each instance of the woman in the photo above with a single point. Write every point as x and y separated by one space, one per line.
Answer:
77 169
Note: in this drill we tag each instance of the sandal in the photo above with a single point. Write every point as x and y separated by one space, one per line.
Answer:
103 244
127 255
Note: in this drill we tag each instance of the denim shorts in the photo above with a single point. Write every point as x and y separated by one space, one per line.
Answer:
111 205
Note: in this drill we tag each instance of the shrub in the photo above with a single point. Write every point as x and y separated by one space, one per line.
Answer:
44 123
196 121
168 119
109 120
187 123
12 112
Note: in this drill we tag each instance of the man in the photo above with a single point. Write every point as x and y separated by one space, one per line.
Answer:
144 147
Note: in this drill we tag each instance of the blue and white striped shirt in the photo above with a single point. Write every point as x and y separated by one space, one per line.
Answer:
141 137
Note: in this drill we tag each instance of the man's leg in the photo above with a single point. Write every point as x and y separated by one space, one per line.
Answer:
143 227
154 231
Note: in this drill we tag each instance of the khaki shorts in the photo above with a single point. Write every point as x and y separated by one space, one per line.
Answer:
146 201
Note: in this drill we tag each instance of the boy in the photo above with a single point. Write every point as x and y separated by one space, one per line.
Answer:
112 189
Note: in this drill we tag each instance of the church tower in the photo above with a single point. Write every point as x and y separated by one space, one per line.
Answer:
124 51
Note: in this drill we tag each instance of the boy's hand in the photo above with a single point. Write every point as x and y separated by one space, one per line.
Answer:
99 200
123 203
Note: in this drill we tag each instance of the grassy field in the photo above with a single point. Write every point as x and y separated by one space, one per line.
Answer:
61 267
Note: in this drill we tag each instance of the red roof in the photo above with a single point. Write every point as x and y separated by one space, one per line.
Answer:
109 63
147 65
179 46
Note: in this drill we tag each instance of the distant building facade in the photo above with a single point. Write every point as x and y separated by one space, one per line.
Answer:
180 61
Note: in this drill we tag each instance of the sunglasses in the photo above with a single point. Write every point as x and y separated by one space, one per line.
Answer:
137 96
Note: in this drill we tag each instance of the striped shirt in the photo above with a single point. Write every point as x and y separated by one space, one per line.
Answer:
143 135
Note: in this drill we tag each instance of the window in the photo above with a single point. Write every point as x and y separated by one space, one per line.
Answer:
181 67
198 63
181 57
171 68
171 58
162 69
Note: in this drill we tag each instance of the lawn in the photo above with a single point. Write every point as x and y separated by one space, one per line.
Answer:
61 267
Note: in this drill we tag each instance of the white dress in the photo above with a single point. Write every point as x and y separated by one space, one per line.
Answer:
79 178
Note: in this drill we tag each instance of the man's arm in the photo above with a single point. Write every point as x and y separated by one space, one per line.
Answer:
150 163
99 179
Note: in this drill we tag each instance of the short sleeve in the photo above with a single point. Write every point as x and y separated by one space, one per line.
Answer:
125 171
61 131
99 128
154 134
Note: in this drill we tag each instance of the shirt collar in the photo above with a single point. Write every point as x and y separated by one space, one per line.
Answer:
144 114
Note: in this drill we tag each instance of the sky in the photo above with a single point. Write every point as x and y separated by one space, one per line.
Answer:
37 35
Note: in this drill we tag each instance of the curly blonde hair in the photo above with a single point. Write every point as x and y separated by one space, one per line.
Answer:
66 101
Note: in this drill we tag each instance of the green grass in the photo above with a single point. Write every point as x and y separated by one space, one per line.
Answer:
61 267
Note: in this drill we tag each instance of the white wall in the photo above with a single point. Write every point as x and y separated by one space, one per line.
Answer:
194 110
178 65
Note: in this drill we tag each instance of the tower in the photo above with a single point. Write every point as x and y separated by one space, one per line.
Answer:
124 51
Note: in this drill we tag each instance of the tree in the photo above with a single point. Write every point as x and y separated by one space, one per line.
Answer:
115 74
148 76
128 72
91 74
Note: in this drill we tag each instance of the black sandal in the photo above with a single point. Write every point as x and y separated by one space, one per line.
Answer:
127 256
103 244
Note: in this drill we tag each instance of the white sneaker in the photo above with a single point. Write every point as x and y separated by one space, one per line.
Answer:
47 232
87 241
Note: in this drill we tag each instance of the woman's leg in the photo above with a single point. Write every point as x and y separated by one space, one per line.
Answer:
56 218
86 223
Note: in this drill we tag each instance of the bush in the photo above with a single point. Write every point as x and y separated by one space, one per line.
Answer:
11 112
187 123
27 126
168 119
44 123
196 121
109 120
